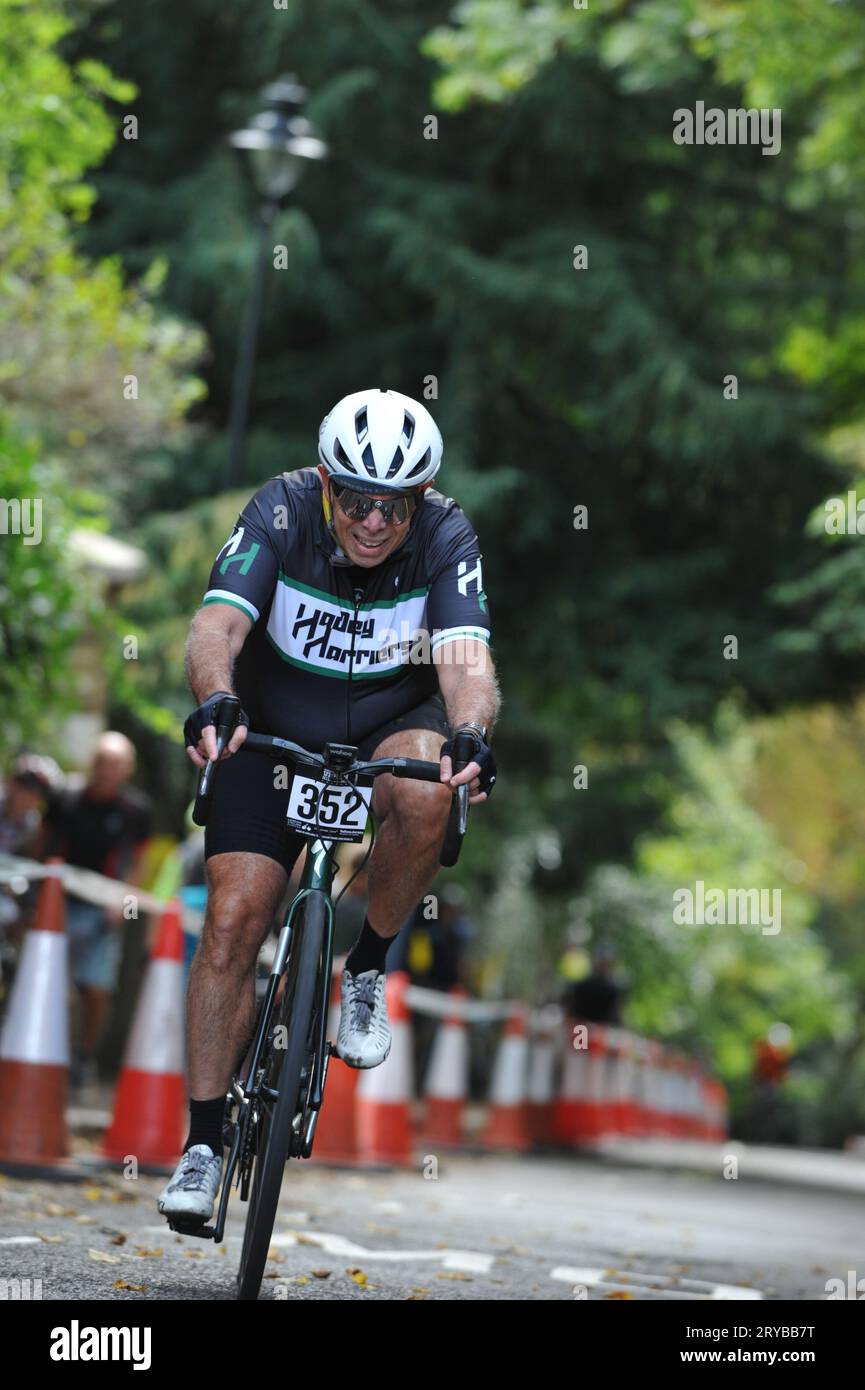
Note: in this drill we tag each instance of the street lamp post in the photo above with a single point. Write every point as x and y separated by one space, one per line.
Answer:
274 147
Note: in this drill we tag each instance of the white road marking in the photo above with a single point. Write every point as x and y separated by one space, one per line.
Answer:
20 1240
652 1285
470 1261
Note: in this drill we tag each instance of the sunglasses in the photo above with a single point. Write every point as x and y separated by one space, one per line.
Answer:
358 505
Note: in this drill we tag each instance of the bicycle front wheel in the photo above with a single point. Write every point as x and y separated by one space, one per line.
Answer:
287 1070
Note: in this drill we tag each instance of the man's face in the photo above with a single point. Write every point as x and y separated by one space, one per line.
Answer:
368 542
111 769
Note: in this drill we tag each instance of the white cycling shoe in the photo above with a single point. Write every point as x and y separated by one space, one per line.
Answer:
364 1036
192 1189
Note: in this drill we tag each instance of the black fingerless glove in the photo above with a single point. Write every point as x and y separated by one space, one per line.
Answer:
482 755
215 711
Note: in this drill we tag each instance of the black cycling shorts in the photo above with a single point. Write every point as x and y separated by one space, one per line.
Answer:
247 814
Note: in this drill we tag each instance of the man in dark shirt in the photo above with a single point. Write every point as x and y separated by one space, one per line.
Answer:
598 997
104 827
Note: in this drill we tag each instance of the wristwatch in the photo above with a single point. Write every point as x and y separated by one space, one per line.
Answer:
478 728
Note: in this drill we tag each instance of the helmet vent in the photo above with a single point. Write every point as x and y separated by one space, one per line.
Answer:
420 465
360 425
396 462
342 457
408 429
369 461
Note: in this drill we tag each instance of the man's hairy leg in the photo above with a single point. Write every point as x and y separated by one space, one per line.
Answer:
244 894
413 818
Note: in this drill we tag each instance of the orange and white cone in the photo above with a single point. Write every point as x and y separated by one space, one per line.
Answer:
507 1125
542 1071
150 1105
383 1098
34 1047
336 1131
571 1109
447 1081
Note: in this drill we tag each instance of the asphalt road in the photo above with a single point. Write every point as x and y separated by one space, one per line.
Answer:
491 1228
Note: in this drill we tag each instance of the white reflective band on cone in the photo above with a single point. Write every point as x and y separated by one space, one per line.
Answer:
542 1065
509 1074
391 1083
37 1025
156 1040
447 1073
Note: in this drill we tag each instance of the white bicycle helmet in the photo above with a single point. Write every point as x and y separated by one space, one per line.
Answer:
377 440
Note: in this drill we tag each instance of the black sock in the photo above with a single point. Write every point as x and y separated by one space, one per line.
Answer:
368 952
205 1124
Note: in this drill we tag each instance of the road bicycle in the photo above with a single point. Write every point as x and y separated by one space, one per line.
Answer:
275 1098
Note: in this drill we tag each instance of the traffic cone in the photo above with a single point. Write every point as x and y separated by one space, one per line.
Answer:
570 1112
336 1131
542 1070
447 1081
507 1125
34 1047
383 1109
150 1105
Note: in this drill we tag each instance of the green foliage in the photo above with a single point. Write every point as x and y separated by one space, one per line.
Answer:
715 989
43 600
71 331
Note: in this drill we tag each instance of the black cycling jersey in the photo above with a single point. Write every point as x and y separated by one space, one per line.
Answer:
338 650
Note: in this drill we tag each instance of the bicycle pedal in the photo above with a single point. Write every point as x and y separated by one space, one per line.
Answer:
192 1228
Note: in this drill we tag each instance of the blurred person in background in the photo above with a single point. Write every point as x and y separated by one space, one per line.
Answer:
770 1118
103 826
434 951
597 997
33 781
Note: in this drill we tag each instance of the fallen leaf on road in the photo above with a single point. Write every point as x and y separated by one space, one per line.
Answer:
194 1254
93 1194
147 1254
223 1249
321 1273
104 1259
454 1274
50 1240
617 1293
301 1279
358 1276
414 1298
122 1284
86 1220
275 1256
119 1239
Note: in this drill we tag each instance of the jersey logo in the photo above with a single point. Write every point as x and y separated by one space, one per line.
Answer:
234 555
465 576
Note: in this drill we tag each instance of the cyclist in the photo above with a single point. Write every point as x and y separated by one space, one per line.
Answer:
346 605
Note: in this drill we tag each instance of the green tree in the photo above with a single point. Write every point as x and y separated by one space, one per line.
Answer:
71 330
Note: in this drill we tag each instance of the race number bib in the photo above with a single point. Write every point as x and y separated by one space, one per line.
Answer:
333 813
